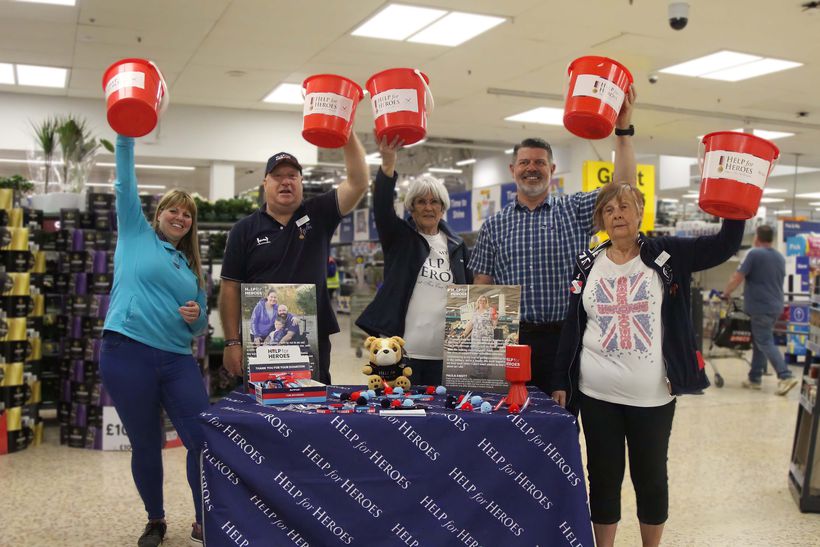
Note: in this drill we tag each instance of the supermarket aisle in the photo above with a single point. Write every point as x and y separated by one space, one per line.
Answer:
728 470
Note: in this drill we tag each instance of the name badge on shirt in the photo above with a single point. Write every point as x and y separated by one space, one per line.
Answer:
302 220
662 258
303 226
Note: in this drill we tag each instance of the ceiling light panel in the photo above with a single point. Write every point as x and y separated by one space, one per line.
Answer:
543 115
41 76
7 74
751 70
285 94
710 63
456 28
398 22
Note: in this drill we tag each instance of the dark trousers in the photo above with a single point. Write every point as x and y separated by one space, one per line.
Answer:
543 340
324 359
426 372
140 379
646 431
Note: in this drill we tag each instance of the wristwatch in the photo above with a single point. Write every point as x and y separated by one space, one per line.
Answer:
233 342
628 132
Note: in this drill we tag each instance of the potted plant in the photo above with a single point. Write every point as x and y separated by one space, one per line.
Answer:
79 148
45 137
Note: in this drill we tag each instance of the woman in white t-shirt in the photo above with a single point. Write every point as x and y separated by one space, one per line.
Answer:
421 257
627 349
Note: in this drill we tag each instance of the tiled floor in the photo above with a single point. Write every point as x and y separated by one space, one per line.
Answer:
728 465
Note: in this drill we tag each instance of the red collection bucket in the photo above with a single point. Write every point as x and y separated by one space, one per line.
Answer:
597 88
330 107
400 98
136 96
734 168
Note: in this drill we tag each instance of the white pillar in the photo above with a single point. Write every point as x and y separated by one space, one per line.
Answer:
223 181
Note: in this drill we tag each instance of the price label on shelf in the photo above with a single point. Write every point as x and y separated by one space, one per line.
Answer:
114 435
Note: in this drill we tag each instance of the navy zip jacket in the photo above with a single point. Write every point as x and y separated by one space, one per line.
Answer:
405 251
674 259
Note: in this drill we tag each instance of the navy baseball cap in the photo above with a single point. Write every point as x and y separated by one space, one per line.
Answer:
282 157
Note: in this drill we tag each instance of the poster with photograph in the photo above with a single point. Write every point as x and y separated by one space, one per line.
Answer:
279 329
480 321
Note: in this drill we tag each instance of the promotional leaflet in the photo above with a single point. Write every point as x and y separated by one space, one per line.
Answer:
480 321
279 331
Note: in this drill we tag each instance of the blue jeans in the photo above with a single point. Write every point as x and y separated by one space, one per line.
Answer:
140 379
763 348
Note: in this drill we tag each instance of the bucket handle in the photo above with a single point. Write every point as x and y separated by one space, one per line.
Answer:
166 99
427 92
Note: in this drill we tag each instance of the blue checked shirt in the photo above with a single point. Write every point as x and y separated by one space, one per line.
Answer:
537 250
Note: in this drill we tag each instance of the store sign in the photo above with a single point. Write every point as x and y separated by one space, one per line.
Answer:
598 173
508 192
486 202
459 215
346 229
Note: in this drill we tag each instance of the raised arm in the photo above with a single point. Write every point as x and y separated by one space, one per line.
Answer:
384 211
351 190
626 168
130 220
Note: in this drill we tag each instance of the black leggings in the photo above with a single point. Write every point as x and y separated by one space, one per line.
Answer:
646 430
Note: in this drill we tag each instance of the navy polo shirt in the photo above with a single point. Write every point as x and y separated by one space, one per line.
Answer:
261 250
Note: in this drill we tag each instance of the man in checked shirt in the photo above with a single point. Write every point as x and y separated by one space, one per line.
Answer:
534 240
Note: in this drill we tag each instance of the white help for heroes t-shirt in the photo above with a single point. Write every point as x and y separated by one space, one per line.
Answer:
424 322
622 358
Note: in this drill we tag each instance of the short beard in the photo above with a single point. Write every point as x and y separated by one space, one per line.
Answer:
532 191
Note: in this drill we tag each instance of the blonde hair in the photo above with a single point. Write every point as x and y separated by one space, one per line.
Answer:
189 244
623 192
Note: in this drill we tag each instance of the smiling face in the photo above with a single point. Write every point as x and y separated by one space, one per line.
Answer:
283 189
532 170
621 218
427 212
482 302
271 299
282 311
174 222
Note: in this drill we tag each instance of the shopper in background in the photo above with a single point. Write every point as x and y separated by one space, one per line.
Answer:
263 317
763 270
532 241
422 255
288 241
157 306
627 348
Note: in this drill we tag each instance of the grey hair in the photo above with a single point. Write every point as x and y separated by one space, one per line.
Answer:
424 184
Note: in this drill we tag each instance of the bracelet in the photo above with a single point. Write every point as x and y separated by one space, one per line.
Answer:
233 342
628 132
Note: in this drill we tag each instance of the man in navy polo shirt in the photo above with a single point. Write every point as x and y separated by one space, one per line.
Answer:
288 241
533 241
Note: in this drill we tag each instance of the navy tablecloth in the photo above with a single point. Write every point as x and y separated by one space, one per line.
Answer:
284 477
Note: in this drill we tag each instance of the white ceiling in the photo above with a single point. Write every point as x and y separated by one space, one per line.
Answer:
514 67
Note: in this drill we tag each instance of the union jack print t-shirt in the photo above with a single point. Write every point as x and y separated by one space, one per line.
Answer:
622 358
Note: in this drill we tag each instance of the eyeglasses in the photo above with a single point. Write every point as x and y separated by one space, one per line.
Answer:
425 202
293 177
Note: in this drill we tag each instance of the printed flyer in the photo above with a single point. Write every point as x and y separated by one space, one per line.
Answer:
480 321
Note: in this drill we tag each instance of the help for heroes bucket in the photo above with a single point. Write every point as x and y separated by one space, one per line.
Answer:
136 96
597 88
329 109
400 98
734 169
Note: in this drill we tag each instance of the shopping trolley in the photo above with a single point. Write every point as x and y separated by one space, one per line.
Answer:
731 331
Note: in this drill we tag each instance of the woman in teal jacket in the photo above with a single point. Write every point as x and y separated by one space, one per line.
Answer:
146 362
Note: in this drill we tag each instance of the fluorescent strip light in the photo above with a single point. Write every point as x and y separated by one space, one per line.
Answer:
783 170
397 22
466 162
55 2
772 200
373 159
7 74
771 135
669 200
30 162
691 196
509 150
285 94
422 141
751 70
150 166
783 212
767 191
710 63
111 185
41 76
543 115
809 195
456 28
444 170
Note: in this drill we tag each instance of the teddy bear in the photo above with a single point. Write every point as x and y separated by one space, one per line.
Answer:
386 367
